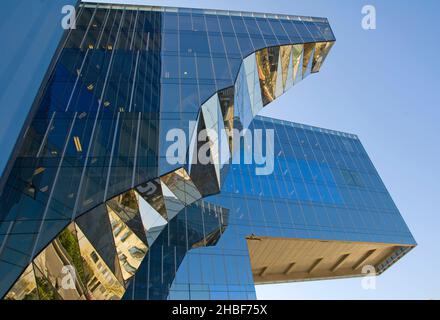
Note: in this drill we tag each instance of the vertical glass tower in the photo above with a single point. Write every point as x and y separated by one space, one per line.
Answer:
92 208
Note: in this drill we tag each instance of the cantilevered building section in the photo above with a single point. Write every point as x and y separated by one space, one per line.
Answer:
324 213
348 214
90 191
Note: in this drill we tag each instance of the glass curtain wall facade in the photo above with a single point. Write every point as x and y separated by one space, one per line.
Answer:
29 25
324 213
91 193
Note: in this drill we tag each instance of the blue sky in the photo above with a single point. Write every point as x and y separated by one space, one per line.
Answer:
383 86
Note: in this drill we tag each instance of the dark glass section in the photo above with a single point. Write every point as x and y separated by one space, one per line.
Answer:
94 134
198 225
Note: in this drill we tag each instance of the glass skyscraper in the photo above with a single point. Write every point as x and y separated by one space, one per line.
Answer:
92 208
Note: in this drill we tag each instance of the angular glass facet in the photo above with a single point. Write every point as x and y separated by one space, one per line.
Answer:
253 88
60 267
203 170
46 291
309 50
289 78
25 288
210 110
242 99
131 250
96 227
100 281
152 193
286 58
181 185
321 51
279 86
126 206
226 97
267 62
172 203
153 222
297 53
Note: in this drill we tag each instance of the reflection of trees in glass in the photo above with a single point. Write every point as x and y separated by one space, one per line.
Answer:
88 271
45 290
31 295
69 242
129 200
28 296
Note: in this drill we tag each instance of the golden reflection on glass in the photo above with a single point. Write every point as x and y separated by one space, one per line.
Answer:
181 185
308 50
61 265
101 283
45 289
130 249
25 288
267 62
127 202
126 206
285 52
297 51
321 51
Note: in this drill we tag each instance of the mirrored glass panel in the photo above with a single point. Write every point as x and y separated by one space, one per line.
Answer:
60 267
101 283
25 288
131 250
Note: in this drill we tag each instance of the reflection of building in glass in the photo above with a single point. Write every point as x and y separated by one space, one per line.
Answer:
25 288
89 188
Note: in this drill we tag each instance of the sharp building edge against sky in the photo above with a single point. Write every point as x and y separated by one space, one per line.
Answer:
88 189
